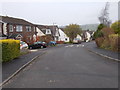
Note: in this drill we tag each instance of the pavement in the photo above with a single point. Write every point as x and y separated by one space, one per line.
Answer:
67 66
91 46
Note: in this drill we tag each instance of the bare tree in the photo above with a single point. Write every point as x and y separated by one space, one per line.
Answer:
104 17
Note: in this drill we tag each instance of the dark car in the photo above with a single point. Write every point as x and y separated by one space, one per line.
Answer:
38 45
44 44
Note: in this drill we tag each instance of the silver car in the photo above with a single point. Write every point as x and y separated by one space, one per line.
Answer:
23 45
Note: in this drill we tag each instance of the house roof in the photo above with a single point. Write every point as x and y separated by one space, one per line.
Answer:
3 35
51 27
12 20
42 28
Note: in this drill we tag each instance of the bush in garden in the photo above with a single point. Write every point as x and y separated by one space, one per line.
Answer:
107 38
99 41
116 27
98 33
114 42
107 31
10 49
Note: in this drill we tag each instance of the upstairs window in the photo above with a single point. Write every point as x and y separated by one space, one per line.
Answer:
48 31
19 28
10 28
28 28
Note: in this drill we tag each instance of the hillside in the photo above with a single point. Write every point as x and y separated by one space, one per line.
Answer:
92 27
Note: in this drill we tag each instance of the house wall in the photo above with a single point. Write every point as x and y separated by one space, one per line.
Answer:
79 37
63 36
4 28
26 36
39 34
48 31
88 36
1 28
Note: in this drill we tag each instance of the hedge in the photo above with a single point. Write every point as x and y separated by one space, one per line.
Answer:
10 49
111 43
115 42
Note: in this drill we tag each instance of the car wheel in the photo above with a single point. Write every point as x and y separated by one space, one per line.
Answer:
30 47
41 46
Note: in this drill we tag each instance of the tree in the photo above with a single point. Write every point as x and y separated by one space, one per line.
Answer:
99 33
104 17
116 27
72 31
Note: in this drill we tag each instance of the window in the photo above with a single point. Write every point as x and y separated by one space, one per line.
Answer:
11 28
19 28
28 28
48 31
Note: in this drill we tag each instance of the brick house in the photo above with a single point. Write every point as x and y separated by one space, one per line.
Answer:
20 29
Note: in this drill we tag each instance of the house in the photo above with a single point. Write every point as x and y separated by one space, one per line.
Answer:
63 36
2 36
20 29
47 34
87 35
51 32
40 34
54 32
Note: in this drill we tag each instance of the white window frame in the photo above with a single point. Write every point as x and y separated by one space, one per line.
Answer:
48 31
10 28
19 28
28 28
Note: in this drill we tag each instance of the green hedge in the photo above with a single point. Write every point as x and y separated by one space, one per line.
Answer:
10 49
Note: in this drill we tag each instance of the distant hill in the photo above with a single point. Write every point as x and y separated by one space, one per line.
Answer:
91 27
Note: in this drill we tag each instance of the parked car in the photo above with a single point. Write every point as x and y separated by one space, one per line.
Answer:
77 41
44 44
38 45
23 45
52 43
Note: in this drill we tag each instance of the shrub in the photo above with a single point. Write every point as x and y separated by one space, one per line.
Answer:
106 44
10 49
99 41
116 27
114 42
107 31
98 33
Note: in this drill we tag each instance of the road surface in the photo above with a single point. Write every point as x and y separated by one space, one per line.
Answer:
68 66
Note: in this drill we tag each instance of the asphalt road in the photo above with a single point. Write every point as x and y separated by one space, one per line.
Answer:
69 66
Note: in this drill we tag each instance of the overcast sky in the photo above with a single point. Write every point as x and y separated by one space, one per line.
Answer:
61 13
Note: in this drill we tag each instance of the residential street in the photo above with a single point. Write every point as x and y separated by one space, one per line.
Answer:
68 66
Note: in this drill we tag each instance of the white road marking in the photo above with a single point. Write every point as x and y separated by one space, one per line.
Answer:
80 45
66 46
33 50
69 46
